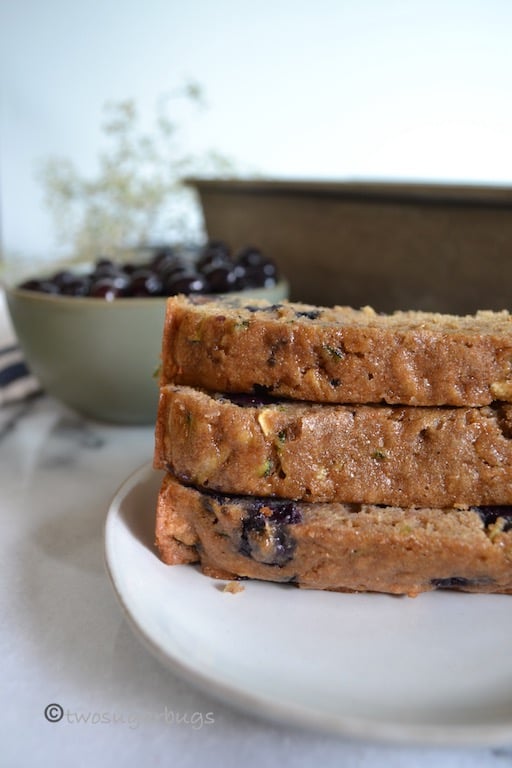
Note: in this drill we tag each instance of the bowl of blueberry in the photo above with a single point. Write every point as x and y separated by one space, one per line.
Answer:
92 334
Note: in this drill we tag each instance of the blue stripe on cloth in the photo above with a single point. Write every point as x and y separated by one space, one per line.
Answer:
13 372
8 350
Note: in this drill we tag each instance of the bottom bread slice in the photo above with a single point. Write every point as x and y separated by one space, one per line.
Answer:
344 547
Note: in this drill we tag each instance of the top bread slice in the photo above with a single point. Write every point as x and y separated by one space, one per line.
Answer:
338 354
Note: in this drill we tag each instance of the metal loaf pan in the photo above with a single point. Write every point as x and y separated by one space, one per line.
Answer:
445 248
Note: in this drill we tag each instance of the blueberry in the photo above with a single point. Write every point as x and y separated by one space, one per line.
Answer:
63 278
460 582
285 511
79 286
162 256
105 268
216 252
143 283
129 268
261 390
253 277
220 278
168 264
264 535
105 288
41 286
312 314
250 257
269 308
269 270
258 270
185 282
171 270
489 515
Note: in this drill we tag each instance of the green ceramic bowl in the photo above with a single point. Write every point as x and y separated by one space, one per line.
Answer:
96 356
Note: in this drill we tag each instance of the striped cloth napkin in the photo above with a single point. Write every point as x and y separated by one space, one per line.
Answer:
16 381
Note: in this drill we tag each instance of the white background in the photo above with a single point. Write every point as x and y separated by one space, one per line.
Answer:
332 89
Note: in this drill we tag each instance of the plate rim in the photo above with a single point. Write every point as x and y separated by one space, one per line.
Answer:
353 728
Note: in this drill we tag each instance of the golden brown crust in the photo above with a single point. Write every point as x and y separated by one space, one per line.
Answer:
335 546
338 355
394 455
175 537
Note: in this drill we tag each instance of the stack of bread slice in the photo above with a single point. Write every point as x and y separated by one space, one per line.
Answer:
336 448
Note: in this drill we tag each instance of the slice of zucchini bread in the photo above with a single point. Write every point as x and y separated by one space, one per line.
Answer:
337 355
395 455
355 547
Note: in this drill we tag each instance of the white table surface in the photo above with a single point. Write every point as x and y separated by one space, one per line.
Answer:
64 639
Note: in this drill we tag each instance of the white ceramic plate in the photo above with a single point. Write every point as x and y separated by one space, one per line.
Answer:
436 669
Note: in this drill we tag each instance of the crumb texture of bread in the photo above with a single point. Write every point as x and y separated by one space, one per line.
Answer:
339 547
339 354
393 455
335 448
